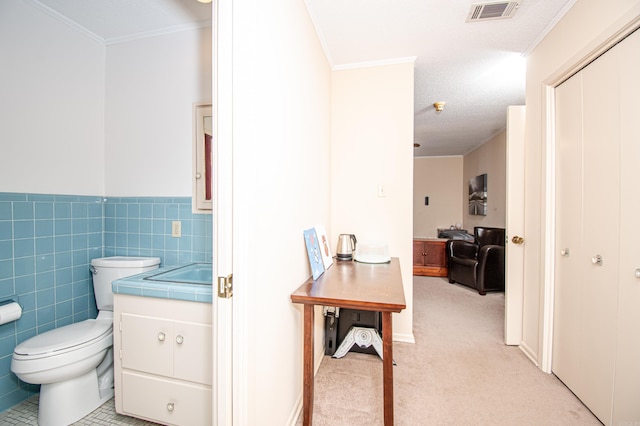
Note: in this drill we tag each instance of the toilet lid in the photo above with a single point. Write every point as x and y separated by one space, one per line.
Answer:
64 338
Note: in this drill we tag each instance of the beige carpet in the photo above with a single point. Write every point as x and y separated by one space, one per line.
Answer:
458 372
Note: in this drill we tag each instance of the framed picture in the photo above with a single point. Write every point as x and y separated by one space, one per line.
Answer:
313 250
478 195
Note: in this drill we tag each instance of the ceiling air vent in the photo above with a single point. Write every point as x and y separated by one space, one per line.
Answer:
492 10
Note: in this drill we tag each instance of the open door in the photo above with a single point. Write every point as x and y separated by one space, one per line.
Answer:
514 262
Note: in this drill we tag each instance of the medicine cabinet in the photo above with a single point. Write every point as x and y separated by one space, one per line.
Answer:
202 157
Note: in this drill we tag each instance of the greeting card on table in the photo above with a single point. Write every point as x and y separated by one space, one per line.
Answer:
313 250
323 241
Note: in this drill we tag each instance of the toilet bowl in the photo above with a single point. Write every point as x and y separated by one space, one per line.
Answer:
74 363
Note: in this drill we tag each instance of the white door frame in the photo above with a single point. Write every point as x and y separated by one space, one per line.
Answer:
603 42
222 102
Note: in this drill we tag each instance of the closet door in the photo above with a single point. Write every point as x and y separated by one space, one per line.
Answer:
587 281
626 406
601 230
568 336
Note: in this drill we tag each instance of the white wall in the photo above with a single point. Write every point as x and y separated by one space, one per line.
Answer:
440 179
151 86
281 84
489 158
578 33
372 144
52 105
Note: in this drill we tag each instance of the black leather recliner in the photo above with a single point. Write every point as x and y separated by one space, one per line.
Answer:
478 264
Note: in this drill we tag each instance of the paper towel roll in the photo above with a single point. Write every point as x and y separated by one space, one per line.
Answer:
10 312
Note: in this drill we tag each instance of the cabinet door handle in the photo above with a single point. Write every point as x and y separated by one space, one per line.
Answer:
179 339
161 336
637 273
565 252
597 260
170 406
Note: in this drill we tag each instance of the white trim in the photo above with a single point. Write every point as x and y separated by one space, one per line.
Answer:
441 156
629 22
228 374
549 27
72 24
154 33
616 32
546 347
116 40
529 353
383 62
403 337
319 33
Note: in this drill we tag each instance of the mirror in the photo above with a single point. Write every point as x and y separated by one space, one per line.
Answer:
203 160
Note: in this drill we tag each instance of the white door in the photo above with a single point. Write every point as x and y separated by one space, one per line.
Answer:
222 404
626 409
587 224
567 344
514 260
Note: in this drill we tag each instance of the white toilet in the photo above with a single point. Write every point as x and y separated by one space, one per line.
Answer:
74 363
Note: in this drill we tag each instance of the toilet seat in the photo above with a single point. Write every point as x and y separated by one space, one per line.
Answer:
51 362
64 339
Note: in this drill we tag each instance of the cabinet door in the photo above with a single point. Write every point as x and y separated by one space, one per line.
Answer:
418 253
166 401
434 254
147 344
192 354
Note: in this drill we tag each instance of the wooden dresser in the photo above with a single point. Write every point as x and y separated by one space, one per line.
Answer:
429 257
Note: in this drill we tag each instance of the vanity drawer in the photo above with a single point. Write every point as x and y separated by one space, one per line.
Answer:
165 400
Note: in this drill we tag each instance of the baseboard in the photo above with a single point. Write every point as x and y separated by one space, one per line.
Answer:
404 338
529 353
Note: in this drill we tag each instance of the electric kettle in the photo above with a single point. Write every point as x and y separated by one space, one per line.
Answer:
346 246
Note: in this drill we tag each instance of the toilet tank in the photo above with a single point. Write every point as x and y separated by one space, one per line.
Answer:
105 270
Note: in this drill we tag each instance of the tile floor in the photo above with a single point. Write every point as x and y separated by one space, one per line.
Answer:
26 413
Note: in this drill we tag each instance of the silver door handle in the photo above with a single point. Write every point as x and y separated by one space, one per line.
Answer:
564 252
637 273
597 260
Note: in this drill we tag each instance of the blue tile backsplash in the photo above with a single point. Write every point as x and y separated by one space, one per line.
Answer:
48 241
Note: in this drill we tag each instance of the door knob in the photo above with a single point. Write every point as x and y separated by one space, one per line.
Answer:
161 336
179 339
517 240
597 260
637 273
564 252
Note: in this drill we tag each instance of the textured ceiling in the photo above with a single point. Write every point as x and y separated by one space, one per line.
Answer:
477 68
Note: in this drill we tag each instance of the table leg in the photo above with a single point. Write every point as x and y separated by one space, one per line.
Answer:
307 391
387 367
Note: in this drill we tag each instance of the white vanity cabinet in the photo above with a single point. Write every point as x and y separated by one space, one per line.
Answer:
163 360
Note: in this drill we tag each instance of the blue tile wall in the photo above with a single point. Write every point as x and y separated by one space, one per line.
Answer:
141 226
48 241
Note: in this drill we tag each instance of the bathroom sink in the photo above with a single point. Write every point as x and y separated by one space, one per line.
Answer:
195 273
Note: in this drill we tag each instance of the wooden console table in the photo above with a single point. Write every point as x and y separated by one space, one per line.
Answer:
354 285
